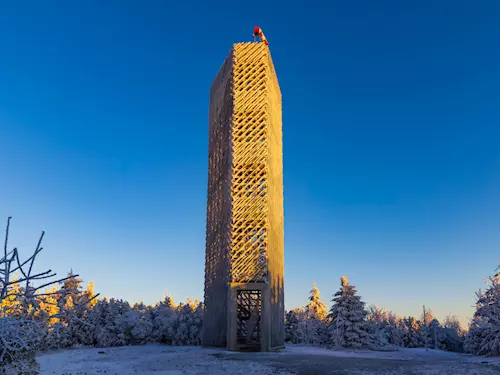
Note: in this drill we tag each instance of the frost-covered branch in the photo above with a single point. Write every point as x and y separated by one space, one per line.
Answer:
19 299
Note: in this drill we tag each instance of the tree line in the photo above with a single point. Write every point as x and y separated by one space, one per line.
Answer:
37 315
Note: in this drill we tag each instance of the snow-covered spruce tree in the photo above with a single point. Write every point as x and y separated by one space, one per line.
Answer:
316 308
395 329
348 328
385 327
73 304
483 337
426 335
113 323
451 335
164 317
412 337
431 334
315 314
142 324
20 333
378 325
187 326
293 331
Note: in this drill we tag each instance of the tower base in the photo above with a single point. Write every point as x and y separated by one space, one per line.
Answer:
249 313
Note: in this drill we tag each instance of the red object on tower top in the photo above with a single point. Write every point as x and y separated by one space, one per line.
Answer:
257 31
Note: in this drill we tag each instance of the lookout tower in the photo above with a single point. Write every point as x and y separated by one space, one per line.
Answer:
244 265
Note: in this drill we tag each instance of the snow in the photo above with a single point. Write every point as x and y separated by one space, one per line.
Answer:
399 354
432 361
186 360
145 360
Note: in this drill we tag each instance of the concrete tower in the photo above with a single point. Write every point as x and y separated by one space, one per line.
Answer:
244 265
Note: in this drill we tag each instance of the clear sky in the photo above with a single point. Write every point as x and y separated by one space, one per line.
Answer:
391 132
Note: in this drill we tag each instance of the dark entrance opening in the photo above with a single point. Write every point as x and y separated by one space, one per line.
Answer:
249 303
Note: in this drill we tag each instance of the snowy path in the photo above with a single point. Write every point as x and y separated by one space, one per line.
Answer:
166 360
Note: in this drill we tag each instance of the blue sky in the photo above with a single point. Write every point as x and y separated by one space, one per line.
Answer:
391 127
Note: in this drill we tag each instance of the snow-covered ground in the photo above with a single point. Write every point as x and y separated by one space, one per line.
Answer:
300 360
397 354
144 360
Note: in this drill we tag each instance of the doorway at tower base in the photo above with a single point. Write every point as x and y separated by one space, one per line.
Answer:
249 313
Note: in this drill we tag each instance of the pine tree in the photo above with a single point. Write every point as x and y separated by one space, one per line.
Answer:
48 308
412 337
90 295
432 333
12 304
316 309
395 329
293 319
316 312
164 317
348 328
427 335
377 321
483 337
187 324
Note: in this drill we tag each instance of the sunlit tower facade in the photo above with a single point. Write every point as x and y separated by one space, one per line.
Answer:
244 265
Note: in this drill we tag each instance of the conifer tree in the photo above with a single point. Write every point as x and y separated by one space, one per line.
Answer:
348 328
11 305
483 337
315 313
412 337
395 330
187 323
293 320
427 332
48 308
90 295
164 318
316 309
378 325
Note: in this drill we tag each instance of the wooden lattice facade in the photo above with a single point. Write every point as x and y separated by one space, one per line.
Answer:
245 239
